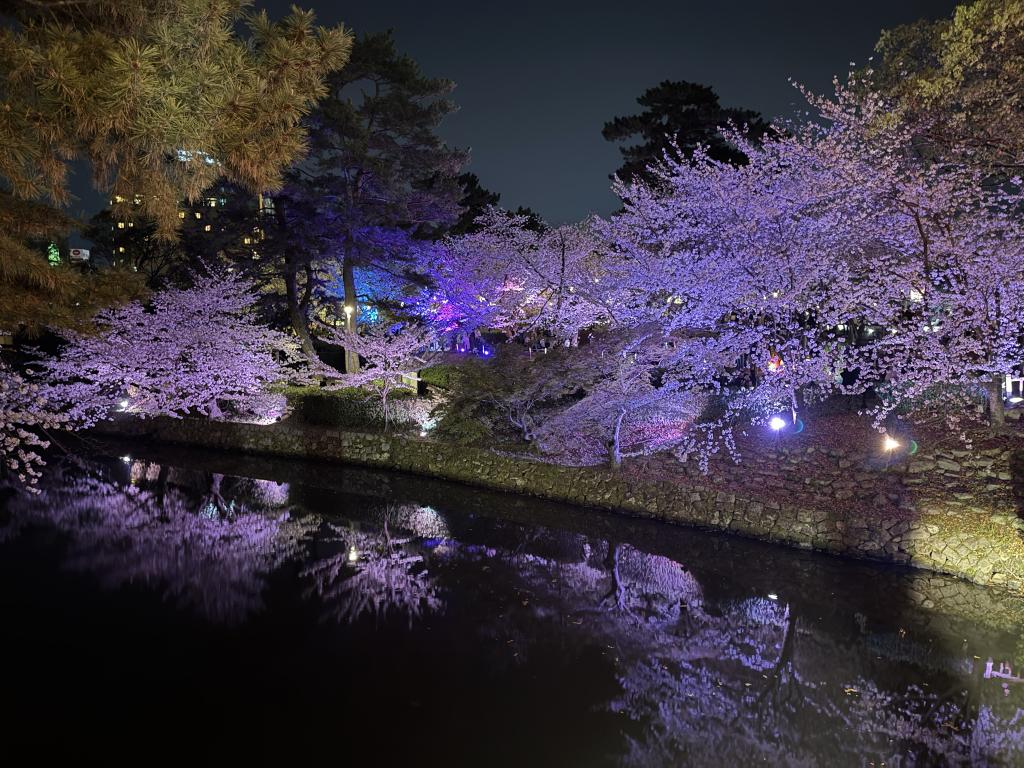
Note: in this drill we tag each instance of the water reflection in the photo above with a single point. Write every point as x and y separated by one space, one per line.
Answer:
374 573
202 541
705 663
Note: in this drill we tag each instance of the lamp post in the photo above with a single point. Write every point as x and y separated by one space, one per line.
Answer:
351 356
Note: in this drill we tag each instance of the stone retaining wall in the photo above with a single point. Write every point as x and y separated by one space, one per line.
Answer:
983 545
855 478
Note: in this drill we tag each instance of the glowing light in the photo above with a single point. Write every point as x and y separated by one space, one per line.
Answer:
776 423
772 596
1016 399
890 444
423 433
124 405
126 459
353 555
774 363
349 309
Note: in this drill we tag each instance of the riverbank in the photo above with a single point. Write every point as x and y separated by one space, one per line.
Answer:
983 545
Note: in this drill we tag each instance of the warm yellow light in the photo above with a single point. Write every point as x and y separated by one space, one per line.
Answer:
349 309
890 444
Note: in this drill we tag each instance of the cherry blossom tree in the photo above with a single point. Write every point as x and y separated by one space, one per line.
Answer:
197 350
829 227
635 401
391 355
512 276
25 415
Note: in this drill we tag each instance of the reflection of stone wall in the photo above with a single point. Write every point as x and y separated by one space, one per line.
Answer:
949 537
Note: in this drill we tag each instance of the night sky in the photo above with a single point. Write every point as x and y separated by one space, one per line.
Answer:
537 80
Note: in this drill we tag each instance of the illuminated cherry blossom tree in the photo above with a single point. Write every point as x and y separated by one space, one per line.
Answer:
390 355
190 351
512 276
25 415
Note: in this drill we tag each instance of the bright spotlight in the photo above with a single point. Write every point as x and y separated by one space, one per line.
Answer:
776 423
890 444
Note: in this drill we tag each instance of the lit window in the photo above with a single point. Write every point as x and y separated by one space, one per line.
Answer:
118 199
131 224
212 202
181 214
120 249
120 225
207 228
199 215
247 240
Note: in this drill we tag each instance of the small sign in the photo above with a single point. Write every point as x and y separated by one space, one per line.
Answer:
79 254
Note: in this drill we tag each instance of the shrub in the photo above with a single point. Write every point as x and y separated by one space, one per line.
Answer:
441 376
350 408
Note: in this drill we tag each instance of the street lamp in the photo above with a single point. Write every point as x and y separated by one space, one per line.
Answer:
890 444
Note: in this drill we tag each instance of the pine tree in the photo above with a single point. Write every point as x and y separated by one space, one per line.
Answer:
161 98
678 116
381 176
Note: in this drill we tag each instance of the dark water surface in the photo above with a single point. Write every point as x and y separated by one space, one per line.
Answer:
203 606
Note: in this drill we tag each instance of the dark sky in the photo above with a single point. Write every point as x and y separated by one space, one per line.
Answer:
537 80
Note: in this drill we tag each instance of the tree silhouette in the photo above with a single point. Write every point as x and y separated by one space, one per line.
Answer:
679 115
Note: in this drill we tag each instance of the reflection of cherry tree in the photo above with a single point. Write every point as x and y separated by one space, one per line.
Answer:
375 574
207 551
736 681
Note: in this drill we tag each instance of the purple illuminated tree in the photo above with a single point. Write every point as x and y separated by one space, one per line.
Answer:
390 356
512 276
826 229
635 399
25 414
190 351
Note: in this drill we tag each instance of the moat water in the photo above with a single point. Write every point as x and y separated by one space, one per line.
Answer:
179 603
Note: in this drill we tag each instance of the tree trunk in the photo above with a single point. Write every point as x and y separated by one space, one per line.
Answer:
351 310
296 313
296 316
615 453
997 416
